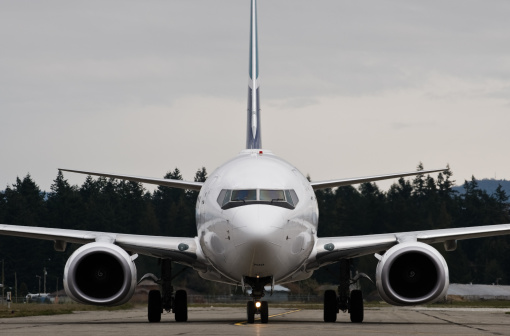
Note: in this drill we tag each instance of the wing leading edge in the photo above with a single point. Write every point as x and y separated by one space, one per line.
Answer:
331 249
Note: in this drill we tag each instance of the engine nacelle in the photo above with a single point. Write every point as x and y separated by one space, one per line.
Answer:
412 273
100 273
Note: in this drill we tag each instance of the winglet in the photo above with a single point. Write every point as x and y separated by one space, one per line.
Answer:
253 139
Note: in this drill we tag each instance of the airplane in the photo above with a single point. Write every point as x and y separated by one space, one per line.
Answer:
257 219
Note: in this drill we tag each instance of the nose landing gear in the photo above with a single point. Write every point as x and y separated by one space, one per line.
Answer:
257 307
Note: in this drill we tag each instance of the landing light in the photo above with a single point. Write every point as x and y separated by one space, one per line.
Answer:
258 304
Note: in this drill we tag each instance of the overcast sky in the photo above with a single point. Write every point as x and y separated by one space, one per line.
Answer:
348 88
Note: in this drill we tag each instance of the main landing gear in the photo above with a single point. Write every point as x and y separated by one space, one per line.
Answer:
351 301
256 306
166 298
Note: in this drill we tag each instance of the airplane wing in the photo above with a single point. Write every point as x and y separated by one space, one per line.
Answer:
356 180
182 250
158 181
331 249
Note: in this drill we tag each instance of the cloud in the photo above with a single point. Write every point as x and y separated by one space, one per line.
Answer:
400 125
298 102
371 86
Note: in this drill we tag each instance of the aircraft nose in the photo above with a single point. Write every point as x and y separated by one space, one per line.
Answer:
258 223
258 237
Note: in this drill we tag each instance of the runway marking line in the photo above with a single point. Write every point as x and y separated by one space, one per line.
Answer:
289 312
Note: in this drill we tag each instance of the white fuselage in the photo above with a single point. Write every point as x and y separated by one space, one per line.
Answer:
257 236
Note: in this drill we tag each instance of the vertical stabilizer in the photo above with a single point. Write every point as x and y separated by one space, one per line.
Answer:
253 139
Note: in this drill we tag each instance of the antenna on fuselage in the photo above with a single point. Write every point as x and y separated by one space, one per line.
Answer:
253 138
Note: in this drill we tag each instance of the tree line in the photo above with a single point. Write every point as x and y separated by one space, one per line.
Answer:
103 204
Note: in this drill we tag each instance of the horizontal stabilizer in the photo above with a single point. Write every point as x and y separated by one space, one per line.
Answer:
356 180
158 181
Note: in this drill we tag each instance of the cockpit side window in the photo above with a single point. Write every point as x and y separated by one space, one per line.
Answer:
224 197
289 197
228 198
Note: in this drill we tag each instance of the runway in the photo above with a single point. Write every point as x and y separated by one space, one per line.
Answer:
295 322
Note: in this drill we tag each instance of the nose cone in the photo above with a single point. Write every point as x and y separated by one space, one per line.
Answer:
258 237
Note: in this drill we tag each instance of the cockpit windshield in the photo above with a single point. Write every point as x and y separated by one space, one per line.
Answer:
272 195
244 195
228 198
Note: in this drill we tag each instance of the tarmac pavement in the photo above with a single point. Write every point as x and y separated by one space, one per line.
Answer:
296 322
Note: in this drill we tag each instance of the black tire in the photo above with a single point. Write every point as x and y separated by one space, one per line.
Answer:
154 309
181 306
250 311
330 306
264 312
356 306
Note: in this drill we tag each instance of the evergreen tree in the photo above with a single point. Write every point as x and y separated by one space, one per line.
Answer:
132 212
24 204
373 214
401 207
502 206
445 184
64 204
327 210
419 183
108 205
345 217
3 206
201 175
447 199
168 206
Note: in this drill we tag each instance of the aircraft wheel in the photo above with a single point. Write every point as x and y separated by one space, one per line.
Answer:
264 312
181 306
330 306
356 306
250 311
154 307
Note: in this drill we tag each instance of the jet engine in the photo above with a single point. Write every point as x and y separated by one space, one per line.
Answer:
412 273
100 273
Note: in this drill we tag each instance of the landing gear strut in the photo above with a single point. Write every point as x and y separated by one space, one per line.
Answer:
347 300
166 298
257 306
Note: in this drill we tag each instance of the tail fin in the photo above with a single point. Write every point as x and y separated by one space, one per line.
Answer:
253 138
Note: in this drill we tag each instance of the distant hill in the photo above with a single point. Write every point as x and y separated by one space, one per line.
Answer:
489 185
